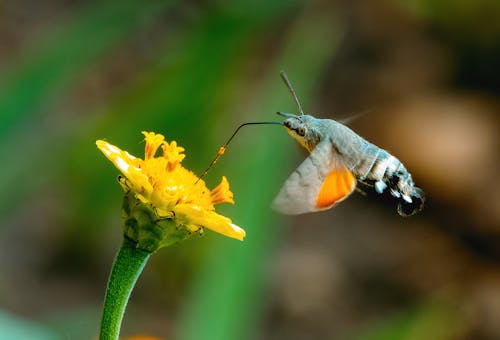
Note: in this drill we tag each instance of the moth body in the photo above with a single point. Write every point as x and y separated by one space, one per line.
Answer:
338 158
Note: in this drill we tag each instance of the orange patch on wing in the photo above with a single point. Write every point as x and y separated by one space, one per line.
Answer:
337 185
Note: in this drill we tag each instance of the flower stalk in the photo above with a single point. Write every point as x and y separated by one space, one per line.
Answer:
127 267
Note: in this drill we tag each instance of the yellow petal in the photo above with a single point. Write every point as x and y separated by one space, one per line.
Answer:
153 142
222 193
191 214
128 165
173 154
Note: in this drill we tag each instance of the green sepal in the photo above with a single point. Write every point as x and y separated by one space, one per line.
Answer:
150 232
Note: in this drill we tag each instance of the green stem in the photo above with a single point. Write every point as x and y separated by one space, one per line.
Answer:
127 267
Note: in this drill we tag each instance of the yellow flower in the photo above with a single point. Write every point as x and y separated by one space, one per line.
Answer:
160 191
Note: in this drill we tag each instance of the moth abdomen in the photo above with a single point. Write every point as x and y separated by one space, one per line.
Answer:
406 208
387 173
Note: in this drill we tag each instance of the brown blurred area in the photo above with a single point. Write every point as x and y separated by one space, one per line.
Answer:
427 87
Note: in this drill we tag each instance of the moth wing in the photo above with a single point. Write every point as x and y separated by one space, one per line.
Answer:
321 181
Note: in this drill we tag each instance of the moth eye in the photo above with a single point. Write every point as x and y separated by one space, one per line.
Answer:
287 123
301 131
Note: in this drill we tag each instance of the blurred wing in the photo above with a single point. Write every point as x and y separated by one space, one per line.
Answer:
320 182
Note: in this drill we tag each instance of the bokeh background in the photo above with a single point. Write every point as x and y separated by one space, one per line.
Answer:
423 74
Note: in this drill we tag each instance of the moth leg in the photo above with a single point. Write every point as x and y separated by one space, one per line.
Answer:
362 192
407 198
395 193
380 186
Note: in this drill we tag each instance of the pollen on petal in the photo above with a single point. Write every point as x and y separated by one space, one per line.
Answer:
121 159
222 193
128 165
107 148
122 165
129 155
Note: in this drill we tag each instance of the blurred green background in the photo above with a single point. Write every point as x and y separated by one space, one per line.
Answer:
424 73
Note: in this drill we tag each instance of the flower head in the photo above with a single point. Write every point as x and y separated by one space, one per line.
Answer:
165 202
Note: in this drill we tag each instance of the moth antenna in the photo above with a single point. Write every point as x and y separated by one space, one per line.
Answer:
223 148
291 90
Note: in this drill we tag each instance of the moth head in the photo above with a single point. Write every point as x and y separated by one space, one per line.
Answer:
301 128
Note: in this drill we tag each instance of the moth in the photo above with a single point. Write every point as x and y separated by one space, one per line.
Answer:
338 160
